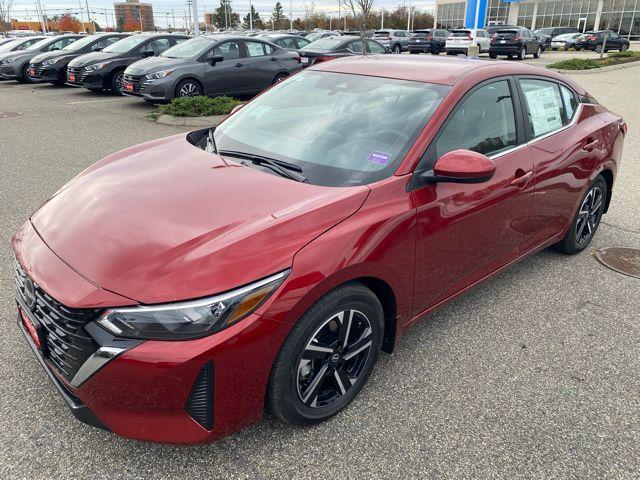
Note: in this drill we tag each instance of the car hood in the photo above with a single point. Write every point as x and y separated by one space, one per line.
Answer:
154 64
95 57
50 55
18 54
167 221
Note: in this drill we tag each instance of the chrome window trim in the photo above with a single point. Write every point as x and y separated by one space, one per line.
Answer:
574 120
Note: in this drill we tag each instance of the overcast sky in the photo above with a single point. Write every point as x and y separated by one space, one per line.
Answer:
22 8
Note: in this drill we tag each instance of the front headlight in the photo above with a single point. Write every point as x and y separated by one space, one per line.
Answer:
9 60
158 75
96 66
192 319
46 63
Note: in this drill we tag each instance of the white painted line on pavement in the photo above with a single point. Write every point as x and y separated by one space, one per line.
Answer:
92 101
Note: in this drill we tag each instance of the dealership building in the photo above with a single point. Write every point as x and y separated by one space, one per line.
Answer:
622 16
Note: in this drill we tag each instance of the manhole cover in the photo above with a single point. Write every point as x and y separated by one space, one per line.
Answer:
9 114
621 259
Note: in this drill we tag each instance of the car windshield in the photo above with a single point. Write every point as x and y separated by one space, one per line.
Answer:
123 46
327 43
189 48
80 44
41 43
5 47
355 130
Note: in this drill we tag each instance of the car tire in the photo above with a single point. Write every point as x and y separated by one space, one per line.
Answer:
278 78
624 47
538 52
493 55
577 49
522 53
188 88
327 357
587 217
509 56
566 48
598 48
24 75
435 51
117 80
397 49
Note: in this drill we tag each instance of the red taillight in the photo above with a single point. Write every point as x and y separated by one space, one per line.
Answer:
592 37
299 58
517 38
494 37
387 38
323 59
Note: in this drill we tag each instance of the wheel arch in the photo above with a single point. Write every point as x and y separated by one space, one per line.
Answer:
608 178
187 77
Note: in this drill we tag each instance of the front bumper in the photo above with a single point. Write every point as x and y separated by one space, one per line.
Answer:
95 80
45 74
9 72
160 90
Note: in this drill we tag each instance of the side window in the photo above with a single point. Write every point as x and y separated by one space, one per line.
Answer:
60 44
375 47
158 46
228 50
255 49
268 49
179 40
484 122
103 43
570 102
302 42
613 35
356 46
287 43
544 106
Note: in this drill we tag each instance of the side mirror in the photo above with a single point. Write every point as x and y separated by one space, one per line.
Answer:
148 53
215 59
97 49
461 166
236 108
54 49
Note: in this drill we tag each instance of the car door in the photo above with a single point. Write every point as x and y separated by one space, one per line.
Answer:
564 153
613 42
261 65
227 76
466 231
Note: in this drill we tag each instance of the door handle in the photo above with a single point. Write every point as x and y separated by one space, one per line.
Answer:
522 179
591 144
273 59
239 64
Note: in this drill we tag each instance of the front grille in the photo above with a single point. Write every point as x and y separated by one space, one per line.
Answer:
200 403
39 69
79 72
67 343
139 82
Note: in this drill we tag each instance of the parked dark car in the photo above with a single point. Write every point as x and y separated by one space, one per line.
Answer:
428 41
15 44
105 70
218 65
517 42
287 41
15 65
547 34
52 66
335 47
395 40
494 28
595 41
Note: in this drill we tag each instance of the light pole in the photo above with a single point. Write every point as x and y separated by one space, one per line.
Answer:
409 16
250 16
291 15
382 20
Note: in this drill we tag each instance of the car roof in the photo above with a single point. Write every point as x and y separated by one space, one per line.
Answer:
443 71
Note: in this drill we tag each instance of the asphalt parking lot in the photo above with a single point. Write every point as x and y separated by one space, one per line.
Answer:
535 374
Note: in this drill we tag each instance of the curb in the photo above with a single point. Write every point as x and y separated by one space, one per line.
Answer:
598 70
211 121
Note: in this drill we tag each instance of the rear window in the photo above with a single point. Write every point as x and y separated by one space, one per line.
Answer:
327 43
382 33
421 34
460 33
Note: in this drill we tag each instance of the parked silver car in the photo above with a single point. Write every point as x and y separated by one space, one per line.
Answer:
210 65
396 41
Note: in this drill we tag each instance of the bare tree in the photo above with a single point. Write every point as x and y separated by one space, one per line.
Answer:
611 11
5 21
361 10
309 9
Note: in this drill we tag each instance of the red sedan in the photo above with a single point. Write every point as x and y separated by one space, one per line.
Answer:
174 288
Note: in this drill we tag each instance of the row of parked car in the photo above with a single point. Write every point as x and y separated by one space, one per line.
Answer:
161 66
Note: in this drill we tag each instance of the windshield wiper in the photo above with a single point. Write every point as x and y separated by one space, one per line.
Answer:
281 167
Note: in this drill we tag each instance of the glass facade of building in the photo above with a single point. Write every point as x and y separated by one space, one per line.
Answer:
620 16
497 12
451 15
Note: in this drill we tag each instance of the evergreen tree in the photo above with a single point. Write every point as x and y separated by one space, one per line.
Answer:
222 20
279 18
257 23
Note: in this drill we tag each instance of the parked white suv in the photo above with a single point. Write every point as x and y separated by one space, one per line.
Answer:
460 40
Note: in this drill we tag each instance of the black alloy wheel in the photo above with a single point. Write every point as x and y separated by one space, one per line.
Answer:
538 52
328 356
117 82
188 88
586 220
278 78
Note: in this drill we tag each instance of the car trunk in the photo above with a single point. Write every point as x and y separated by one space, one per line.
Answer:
459 38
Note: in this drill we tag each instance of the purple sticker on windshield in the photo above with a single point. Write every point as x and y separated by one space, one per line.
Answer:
381 158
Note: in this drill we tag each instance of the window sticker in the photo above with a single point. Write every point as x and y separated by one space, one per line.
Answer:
544 109
381 158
